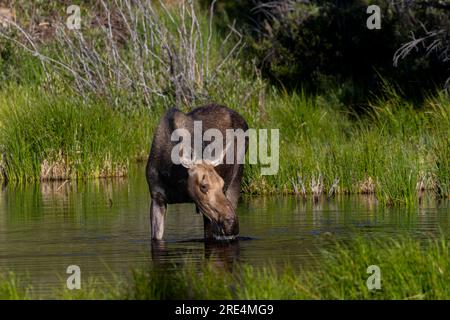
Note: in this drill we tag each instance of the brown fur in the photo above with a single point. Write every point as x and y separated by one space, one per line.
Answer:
214 190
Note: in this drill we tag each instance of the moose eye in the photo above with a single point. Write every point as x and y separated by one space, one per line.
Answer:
204 188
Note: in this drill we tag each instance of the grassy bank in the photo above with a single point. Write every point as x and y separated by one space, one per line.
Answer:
410 269
395 152
82 113
59 137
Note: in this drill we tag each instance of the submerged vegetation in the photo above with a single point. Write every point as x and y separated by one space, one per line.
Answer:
83 104
410 269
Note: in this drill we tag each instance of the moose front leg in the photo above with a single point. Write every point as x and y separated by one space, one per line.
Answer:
207 228
157 214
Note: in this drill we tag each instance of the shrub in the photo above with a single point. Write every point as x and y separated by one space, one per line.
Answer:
301 43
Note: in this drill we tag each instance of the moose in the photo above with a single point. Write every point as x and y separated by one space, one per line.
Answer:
213 186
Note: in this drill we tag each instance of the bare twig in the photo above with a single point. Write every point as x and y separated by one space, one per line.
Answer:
164 56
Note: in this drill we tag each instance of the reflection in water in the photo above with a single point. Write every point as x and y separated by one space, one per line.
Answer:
224 254
221 254
103 227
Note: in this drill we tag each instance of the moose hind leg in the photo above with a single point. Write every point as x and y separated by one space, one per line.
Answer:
157 214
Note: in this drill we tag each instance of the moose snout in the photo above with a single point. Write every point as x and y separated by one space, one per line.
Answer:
231 226
228 227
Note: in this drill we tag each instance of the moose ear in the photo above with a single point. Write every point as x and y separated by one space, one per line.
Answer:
218 160
187 158
180 120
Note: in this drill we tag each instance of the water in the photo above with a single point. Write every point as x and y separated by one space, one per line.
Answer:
103 227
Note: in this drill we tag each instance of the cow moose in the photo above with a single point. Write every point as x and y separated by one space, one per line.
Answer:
214 186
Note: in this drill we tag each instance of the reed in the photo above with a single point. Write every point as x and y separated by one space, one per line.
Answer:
72 112
57 137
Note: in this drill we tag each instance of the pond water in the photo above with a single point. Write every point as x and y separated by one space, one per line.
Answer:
103 227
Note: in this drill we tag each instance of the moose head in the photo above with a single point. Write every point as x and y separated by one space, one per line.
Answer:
206 188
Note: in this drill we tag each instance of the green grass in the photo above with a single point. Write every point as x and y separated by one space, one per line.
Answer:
60 137
12 288
410 269
47 131
389 152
